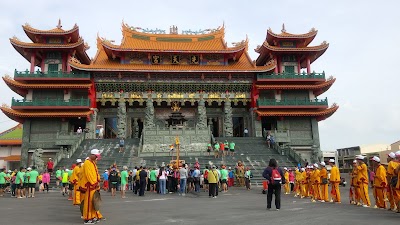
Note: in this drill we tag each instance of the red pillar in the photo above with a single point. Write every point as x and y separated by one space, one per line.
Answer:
33 62
67 63
308 65
277 65
298 66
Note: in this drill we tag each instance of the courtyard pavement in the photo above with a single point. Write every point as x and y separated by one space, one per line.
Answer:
238 206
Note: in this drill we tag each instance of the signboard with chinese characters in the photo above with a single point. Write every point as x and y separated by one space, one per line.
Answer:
194 59
175 59
155 59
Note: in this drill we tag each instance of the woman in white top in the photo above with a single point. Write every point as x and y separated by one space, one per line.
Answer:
162 179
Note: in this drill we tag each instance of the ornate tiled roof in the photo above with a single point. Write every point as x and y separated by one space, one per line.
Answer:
57 30
322 47
10 82
321 113
303 39
12 136
17 43
13 113
322 85
102 62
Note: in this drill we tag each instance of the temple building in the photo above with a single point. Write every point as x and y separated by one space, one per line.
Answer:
156 85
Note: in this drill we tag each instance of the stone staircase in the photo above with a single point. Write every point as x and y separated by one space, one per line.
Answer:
110 153
253 152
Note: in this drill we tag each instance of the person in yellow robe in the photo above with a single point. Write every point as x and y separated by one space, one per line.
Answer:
335 181
297 189
316 183
379 183
362 180
354 188
396 193
392 165
324 183
90 183
303 181
287 184
76 176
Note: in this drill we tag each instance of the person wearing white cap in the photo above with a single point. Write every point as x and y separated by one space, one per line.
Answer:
362 173
75 178
297 178
392 165
316 183
379 183
335 181
286 185
354 186
303 183
90 184
324 183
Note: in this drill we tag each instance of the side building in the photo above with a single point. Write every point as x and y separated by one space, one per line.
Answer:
10 147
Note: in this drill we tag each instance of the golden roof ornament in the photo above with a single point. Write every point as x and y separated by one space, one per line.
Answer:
59 26
175 106
283 28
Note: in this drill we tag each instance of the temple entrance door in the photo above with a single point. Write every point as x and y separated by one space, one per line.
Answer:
215 130
140 123
238 126
268 123
110 129
76 123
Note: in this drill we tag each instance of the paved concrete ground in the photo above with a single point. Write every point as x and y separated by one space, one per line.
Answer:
238 206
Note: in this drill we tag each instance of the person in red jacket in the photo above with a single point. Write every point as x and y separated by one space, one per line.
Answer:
50 165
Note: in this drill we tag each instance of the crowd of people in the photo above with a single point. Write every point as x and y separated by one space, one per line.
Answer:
313 181
221 149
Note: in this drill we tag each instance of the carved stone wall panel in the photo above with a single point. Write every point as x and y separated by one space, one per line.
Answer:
300 134
41 126
153 139
300 124
44 137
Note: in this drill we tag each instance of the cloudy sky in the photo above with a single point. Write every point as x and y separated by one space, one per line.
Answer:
363 52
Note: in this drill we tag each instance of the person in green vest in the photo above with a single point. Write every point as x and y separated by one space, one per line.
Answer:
64 180
209 147
26 182
232 148
19 182
226 148
2 182
124 181
216 150
58 176
153 179
33 178
70 185
224 179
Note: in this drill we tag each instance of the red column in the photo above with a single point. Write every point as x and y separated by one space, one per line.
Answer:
67 63
277 65
308 65
33 62
298 66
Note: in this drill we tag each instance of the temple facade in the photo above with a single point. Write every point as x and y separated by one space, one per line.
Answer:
156 85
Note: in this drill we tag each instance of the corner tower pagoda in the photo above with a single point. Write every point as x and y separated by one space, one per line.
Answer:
55 99
286 100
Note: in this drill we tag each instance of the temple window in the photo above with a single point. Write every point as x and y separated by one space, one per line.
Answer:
51 68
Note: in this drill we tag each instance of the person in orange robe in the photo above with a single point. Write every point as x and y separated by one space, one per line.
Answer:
379 183
335 181
297 179
316 183
324 183
355 188
362 180
392 165
90 183
287 184
303 183
76 176
396 193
